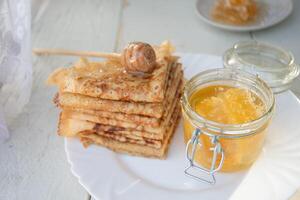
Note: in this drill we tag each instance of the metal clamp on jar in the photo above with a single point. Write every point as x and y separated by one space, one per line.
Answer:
212 146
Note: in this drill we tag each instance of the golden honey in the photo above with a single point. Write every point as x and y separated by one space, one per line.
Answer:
227 105
236 12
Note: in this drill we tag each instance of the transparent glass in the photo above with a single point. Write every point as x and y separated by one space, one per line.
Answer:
272 64
241 143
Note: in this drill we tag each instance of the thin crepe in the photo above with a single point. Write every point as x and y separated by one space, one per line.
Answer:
76 101
132 139
132 149
107 80
69 127
128 125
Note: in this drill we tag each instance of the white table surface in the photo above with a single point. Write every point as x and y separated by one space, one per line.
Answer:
33 163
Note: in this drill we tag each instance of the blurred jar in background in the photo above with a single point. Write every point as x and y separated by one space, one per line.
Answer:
15 59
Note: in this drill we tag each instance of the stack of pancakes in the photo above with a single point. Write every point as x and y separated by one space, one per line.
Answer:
102 104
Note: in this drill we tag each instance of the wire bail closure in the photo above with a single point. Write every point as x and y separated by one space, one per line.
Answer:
217 149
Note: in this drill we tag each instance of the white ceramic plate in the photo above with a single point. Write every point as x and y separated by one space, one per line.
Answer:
271 12
275 175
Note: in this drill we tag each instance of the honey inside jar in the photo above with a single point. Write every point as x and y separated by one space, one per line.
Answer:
227 105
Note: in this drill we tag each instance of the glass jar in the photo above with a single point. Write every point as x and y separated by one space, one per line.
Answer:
213 146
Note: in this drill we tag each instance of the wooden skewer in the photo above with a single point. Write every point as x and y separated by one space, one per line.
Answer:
65 52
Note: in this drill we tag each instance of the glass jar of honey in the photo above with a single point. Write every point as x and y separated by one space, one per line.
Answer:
226 111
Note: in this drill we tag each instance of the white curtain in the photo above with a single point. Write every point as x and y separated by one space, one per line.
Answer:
15 60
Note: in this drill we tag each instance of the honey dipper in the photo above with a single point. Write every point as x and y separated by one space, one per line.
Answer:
138 58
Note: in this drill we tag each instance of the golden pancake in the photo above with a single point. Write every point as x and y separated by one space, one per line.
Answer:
132 149
69 127
132 126
73 101
108 80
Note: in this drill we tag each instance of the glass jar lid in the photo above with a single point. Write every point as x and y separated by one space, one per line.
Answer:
274 65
